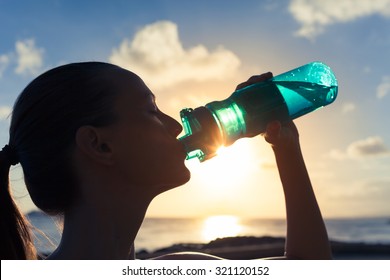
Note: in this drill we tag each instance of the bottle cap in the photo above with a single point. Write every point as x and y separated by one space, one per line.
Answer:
202 135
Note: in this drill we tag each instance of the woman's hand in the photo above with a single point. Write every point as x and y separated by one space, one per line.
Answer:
282 137
255 79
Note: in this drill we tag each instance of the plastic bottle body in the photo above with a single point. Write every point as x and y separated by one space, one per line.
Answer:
247 111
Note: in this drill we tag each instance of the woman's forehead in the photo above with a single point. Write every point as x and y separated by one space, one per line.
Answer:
131 89
128 83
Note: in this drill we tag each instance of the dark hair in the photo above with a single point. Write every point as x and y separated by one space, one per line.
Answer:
45 119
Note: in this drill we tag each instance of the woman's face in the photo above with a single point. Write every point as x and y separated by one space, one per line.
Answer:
147 151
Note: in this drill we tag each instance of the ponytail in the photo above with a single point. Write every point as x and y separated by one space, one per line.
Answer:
15 242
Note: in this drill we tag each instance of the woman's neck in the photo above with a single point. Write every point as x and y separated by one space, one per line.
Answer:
106 232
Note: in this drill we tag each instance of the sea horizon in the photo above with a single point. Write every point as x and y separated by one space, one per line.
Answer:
26 213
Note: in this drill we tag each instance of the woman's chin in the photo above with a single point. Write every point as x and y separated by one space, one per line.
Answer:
175 181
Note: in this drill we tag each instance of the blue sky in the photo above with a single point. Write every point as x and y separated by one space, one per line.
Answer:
193 52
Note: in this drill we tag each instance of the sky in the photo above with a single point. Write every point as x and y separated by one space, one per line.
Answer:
193 52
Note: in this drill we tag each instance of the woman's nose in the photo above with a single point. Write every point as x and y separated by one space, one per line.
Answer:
173 126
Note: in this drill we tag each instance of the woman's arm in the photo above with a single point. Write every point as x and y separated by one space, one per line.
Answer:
306 233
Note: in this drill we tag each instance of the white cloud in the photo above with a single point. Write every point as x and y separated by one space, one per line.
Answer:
315 15
5 112
4 61
157 55
373 146
29 57
384 87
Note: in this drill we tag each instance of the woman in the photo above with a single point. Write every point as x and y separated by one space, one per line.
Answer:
94 147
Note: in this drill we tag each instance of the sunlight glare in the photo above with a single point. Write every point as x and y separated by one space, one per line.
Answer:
220 226
229 168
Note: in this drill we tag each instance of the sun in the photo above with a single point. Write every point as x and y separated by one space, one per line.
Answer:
228 169
220 226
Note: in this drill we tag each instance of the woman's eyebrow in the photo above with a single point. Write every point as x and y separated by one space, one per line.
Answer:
149 98
153 97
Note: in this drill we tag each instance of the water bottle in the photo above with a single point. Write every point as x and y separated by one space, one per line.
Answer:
248 110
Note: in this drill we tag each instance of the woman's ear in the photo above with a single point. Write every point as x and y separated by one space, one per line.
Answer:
91 141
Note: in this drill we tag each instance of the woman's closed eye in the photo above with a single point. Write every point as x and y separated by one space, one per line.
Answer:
154 110
155 113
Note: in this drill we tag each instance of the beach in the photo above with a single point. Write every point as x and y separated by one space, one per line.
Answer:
250 247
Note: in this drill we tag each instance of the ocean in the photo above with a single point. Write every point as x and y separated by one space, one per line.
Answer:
157 233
